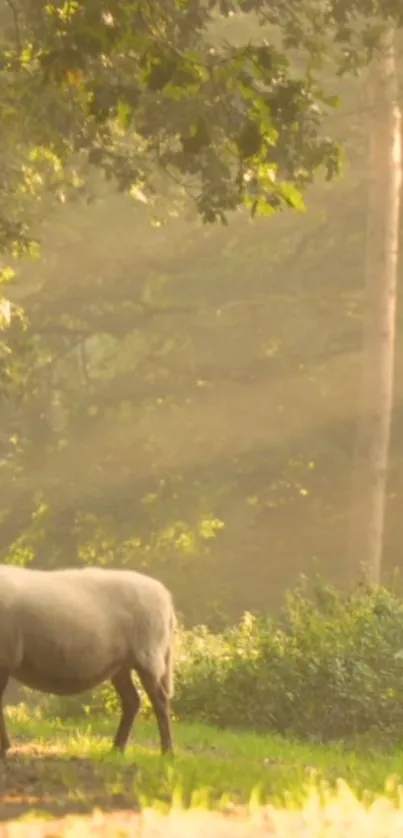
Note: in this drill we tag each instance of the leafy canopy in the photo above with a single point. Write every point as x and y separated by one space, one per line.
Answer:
137 88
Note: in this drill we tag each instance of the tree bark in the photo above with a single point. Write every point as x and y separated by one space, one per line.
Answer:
367 514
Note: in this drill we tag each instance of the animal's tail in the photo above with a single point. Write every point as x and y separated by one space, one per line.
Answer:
167 679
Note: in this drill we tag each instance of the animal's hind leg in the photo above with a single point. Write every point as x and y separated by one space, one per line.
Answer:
130 702
160 704
4 740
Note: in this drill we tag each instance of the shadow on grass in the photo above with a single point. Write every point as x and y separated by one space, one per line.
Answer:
47 781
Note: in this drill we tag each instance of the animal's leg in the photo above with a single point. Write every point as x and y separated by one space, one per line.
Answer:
160 704
130 701
4 740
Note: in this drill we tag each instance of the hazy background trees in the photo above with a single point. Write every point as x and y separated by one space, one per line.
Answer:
176 396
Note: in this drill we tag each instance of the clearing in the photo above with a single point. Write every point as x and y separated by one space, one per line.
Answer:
57 769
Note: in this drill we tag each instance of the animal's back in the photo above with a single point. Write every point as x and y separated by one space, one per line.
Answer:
73 628
64 635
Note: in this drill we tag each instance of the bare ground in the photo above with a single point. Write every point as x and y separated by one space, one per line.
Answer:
47 781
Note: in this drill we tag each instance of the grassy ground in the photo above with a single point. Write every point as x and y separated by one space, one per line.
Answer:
61 768
56 769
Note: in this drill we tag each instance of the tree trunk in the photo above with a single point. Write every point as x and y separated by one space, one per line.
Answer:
367 514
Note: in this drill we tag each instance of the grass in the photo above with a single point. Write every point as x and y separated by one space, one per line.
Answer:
60 768
231 785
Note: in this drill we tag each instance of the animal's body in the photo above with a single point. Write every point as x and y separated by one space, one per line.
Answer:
66 631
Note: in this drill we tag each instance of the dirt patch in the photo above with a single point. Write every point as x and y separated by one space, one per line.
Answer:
53 783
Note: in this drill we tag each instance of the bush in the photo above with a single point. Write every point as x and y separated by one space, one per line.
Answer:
331 667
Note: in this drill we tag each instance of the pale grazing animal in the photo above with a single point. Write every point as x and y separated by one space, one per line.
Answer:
67 631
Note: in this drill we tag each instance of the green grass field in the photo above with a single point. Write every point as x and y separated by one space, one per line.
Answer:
55 769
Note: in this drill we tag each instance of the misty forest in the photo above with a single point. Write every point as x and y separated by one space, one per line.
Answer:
201 355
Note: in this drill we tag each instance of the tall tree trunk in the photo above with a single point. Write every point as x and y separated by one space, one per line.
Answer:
367 514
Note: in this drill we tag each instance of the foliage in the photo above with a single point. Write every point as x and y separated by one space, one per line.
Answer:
331 668
137 90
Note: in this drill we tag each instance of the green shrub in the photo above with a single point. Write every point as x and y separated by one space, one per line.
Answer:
331 667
